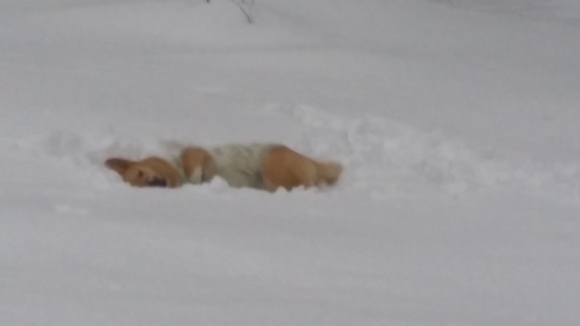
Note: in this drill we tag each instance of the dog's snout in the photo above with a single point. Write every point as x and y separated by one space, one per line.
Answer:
157 182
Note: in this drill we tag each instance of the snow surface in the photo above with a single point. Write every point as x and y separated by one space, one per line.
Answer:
457 121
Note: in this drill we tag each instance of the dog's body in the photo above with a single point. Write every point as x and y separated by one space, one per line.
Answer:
238 165
260 166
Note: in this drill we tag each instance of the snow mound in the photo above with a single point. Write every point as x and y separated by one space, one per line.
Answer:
387 157
382 157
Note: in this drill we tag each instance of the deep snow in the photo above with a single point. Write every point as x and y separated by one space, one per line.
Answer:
457 122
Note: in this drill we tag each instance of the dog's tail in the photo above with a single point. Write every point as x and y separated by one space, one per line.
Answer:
328 171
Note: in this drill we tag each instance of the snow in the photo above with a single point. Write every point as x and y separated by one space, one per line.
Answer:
457 123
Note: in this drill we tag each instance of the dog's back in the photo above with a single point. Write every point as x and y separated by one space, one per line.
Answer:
239 165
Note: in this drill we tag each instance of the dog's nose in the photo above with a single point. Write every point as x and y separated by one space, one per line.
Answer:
157 182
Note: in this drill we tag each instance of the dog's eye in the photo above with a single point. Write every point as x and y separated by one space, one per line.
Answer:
140 174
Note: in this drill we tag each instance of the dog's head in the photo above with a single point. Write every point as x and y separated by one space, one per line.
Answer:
149 172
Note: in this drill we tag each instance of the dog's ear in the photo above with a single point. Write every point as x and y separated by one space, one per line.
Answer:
118 165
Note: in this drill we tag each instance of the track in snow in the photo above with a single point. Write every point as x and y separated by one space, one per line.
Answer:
382 157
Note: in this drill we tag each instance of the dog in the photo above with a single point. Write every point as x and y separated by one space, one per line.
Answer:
258 166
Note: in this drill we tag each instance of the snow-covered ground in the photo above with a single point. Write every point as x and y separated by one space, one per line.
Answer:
458 123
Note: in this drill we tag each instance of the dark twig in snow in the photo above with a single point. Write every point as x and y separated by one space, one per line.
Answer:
246 7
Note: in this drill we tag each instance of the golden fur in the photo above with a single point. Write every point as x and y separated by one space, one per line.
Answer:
260 166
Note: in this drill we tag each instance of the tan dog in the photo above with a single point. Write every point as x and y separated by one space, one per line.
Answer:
260 166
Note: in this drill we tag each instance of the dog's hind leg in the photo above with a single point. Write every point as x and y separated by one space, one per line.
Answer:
328 172
286 168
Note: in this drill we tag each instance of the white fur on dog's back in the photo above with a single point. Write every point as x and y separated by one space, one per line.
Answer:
239 165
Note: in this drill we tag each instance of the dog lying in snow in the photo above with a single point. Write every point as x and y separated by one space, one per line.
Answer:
260 166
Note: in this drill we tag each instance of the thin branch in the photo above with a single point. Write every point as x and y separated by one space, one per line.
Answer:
247 11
